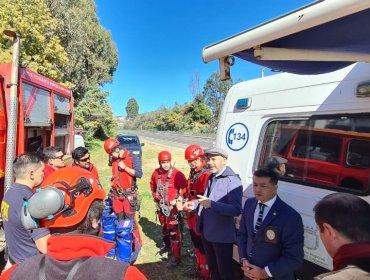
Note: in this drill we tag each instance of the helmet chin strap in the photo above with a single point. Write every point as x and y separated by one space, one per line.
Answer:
200 166
123 153
164 170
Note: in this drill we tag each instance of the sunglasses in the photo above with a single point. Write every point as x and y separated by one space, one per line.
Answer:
84 159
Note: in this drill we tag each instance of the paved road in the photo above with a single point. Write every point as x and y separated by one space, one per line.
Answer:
173 139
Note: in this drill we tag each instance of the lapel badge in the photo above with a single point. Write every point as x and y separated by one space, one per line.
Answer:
271 235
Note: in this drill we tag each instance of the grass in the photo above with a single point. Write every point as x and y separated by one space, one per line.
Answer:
151 264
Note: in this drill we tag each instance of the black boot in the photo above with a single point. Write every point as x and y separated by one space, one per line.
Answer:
174 261
164 249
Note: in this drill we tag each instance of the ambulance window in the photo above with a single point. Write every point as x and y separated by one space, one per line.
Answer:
322 151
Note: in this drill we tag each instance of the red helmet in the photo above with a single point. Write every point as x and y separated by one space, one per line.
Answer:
80 189
193 152
110 144
164 156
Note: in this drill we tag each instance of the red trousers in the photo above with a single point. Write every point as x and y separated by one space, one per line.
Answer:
171 231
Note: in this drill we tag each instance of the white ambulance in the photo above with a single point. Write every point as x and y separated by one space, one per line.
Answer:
319 122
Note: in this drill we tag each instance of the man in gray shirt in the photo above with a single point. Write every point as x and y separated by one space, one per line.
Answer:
28 172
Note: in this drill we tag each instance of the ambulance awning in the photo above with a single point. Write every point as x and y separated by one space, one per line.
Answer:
321 37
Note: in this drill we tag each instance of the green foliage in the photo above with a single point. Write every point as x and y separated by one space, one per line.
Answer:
63 40
132 108
169 120
142 121
40 46
214 93
94 115
192 117
199 116
91 51
200 112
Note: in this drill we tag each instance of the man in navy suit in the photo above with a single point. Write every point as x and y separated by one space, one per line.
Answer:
270 236
222 201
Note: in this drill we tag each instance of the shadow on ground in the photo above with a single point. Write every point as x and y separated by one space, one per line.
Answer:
158 270
151 230
178 273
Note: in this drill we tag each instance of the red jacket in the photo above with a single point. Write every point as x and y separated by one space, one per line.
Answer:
47 170
197 184
64 251
176 182
120 178
92 169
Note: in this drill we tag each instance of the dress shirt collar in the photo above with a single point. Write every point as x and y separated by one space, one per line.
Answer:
270 202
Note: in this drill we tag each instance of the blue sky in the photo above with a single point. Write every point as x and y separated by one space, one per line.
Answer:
160 44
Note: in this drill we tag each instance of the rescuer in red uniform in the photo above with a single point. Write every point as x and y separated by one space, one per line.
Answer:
196 185
125 169
70 202
53 159
81 158
166 183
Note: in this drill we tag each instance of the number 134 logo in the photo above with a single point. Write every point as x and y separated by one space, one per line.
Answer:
237 136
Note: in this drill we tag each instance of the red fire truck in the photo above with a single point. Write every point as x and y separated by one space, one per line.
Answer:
45 113
35 112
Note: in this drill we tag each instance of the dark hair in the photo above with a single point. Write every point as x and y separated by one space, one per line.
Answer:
266 172
24 162
85 227
95 212
274 163
50 152
346 213
79 152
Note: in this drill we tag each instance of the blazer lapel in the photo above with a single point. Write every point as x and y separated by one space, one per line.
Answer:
250 218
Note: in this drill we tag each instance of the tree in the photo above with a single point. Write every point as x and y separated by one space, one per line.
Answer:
95 115
63 39
194 86
132 108
40 46
92 61
214 93
91 51
201 112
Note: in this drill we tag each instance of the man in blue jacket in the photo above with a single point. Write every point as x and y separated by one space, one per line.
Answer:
222 201
270 237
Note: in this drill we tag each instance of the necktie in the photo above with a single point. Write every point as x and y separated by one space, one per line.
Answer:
260 217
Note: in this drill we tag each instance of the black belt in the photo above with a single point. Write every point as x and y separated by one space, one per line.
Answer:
122 191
